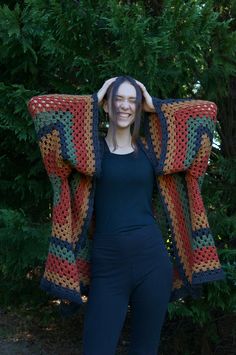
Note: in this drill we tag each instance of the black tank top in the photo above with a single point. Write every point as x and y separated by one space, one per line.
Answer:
123 194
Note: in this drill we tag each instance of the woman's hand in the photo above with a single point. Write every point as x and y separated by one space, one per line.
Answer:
102 92
147 105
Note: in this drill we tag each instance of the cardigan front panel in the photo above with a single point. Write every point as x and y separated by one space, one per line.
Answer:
185 129
68 135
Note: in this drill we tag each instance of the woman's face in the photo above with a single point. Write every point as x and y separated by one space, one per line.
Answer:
125 103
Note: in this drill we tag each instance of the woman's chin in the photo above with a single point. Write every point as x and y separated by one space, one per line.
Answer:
121 123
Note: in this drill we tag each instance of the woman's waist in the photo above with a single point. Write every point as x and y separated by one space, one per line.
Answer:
126 231
144 237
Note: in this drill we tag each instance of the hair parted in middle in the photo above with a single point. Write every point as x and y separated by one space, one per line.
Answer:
110 97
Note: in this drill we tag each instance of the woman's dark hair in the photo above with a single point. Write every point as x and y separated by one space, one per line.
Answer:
110 98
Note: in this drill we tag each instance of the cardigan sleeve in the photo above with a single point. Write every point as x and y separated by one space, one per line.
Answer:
182 133
67 132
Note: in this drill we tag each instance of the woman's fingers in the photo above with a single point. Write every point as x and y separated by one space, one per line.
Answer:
101 93
148 104
144 90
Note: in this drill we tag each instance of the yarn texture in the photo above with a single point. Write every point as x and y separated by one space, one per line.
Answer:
177 140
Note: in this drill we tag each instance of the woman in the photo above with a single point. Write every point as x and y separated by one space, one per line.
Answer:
125 226
110 195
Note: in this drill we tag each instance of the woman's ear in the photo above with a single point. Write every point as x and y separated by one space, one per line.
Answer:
105 106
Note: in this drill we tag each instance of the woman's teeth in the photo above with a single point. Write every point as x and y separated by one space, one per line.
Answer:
124 115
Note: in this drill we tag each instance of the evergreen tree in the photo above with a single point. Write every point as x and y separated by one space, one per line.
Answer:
176 48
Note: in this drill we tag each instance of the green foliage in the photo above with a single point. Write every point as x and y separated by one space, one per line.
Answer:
48 46
23 247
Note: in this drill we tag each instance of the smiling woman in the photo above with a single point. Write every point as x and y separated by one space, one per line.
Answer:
128 252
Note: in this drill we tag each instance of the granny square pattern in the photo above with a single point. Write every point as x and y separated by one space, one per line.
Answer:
178 139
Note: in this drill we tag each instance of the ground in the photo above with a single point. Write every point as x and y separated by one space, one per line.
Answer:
25 333
31 331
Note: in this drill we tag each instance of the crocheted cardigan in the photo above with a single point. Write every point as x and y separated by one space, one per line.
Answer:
177 139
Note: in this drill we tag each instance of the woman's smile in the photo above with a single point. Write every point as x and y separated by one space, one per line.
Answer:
124 114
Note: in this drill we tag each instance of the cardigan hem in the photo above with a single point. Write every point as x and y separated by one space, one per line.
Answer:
164 134
95 133
202 277
196 288
60 292
195 292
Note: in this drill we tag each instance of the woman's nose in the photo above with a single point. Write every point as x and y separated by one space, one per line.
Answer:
125 104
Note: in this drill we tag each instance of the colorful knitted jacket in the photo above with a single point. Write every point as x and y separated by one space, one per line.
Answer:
177 139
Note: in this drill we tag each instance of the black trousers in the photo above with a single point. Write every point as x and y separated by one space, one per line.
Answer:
131 268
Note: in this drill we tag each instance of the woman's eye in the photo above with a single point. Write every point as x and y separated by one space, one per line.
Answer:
131 101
